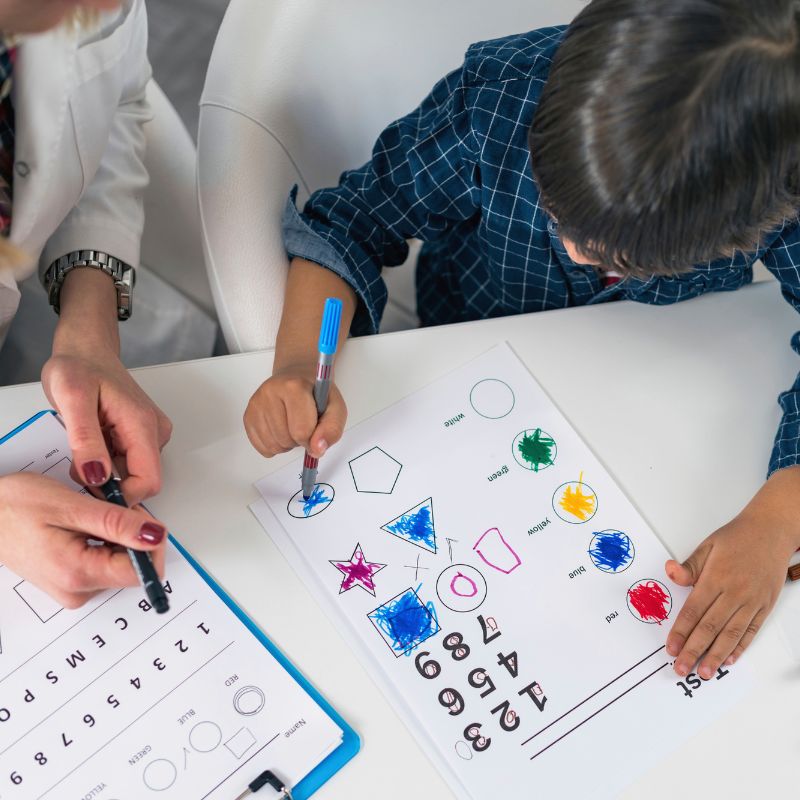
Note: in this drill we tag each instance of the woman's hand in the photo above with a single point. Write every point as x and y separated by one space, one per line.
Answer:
737 574
107 416
44 532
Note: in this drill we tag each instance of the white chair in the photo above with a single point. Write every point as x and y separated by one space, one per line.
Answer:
296 92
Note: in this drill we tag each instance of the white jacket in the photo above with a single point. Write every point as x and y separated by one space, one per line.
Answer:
79 177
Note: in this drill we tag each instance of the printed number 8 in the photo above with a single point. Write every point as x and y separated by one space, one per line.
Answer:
454 642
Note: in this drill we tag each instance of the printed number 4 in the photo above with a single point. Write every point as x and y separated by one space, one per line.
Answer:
509 662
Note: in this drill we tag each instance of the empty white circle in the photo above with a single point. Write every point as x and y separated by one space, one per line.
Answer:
249 700
205 736
491 398
159 775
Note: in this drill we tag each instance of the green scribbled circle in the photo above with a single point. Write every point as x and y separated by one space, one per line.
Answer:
534 449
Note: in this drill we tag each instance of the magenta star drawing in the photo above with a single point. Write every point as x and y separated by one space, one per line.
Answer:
358 571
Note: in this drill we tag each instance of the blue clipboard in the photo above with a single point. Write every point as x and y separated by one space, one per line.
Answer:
351 743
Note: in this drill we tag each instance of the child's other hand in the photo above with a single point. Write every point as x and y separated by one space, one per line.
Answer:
282 414
737 574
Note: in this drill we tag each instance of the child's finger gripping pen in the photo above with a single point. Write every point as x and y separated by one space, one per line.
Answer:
328 337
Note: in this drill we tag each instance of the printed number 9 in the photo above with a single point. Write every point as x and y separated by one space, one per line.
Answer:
16 778
454 642
452 701
472 733
89 720
430 669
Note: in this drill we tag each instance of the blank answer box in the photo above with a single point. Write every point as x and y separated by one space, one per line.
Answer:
241 742
42 605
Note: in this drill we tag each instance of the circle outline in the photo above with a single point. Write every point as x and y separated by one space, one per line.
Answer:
634 614
493 380
462 610
577 521
612 571
314 513
531 469
240 693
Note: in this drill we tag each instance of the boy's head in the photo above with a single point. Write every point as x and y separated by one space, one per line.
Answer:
668 131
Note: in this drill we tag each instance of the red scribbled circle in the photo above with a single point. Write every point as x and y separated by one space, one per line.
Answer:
649 601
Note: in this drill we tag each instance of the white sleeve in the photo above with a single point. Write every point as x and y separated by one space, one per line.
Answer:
110 214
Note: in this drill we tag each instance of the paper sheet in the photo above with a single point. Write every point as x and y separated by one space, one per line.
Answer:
114 701
504 593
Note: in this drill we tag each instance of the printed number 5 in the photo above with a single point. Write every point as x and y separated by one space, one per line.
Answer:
472 733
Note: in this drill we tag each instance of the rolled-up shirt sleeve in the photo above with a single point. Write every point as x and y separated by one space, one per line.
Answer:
782 259
422 178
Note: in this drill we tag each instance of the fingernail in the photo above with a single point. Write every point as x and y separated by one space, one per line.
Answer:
705 672
672 650
681 670
94 472
322 446
730 661
151 533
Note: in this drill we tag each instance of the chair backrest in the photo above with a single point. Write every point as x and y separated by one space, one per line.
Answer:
296 92
171 242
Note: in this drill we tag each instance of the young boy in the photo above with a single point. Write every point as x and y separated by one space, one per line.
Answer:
564 167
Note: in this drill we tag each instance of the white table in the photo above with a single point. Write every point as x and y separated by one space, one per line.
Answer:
679 403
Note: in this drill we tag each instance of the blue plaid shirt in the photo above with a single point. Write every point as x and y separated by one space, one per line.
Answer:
456 174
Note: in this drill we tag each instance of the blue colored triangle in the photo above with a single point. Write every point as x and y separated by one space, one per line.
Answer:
415 526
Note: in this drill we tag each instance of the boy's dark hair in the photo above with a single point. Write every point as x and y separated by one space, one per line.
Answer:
668 131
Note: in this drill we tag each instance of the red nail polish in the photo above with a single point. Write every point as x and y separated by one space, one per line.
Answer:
94 472
151 533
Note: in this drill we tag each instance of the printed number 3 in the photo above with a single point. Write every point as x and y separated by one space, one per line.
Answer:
472 733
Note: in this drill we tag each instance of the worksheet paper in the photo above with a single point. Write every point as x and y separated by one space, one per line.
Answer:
115 702
507 597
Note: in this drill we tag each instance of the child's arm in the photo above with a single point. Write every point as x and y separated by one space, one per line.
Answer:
737 574
738 571
282 413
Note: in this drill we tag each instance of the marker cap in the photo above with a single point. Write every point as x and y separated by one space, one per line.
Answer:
329 330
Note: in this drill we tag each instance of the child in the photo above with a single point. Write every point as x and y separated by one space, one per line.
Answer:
565 167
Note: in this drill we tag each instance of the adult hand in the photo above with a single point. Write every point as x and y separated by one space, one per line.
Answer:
44 532
107 415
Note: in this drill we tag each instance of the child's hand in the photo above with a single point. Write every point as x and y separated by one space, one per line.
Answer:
44 528
282 414
737 574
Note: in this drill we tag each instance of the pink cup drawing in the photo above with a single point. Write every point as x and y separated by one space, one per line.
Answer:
496 552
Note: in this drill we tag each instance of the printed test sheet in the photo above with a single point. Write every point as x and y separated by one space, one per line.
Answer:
504 593
114 701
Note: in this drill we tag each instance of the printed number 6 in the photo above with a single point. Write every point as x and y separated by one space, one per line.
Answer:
430 669
472 733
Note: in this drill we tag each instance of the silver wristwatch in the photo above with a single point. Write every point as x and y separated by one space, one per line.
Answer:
123 275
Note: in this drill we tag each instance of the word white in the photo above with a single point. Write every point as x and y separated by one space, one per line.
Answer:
453 420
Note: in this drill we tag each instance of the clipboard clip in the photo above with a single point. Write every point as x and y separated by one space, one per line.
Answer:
267 778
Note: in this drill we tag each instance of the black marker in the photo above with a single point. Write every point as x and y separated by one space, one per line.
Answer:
141 561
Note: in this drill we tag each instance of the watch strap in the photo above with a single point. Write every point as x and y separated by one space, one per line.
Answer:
123 275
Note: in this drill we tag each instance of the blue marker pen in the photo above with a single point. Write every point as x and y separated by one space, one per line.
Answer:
328 337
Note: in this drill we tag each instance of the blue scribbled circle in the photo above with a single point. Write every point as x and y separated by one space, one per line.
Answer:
320 499
611 551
